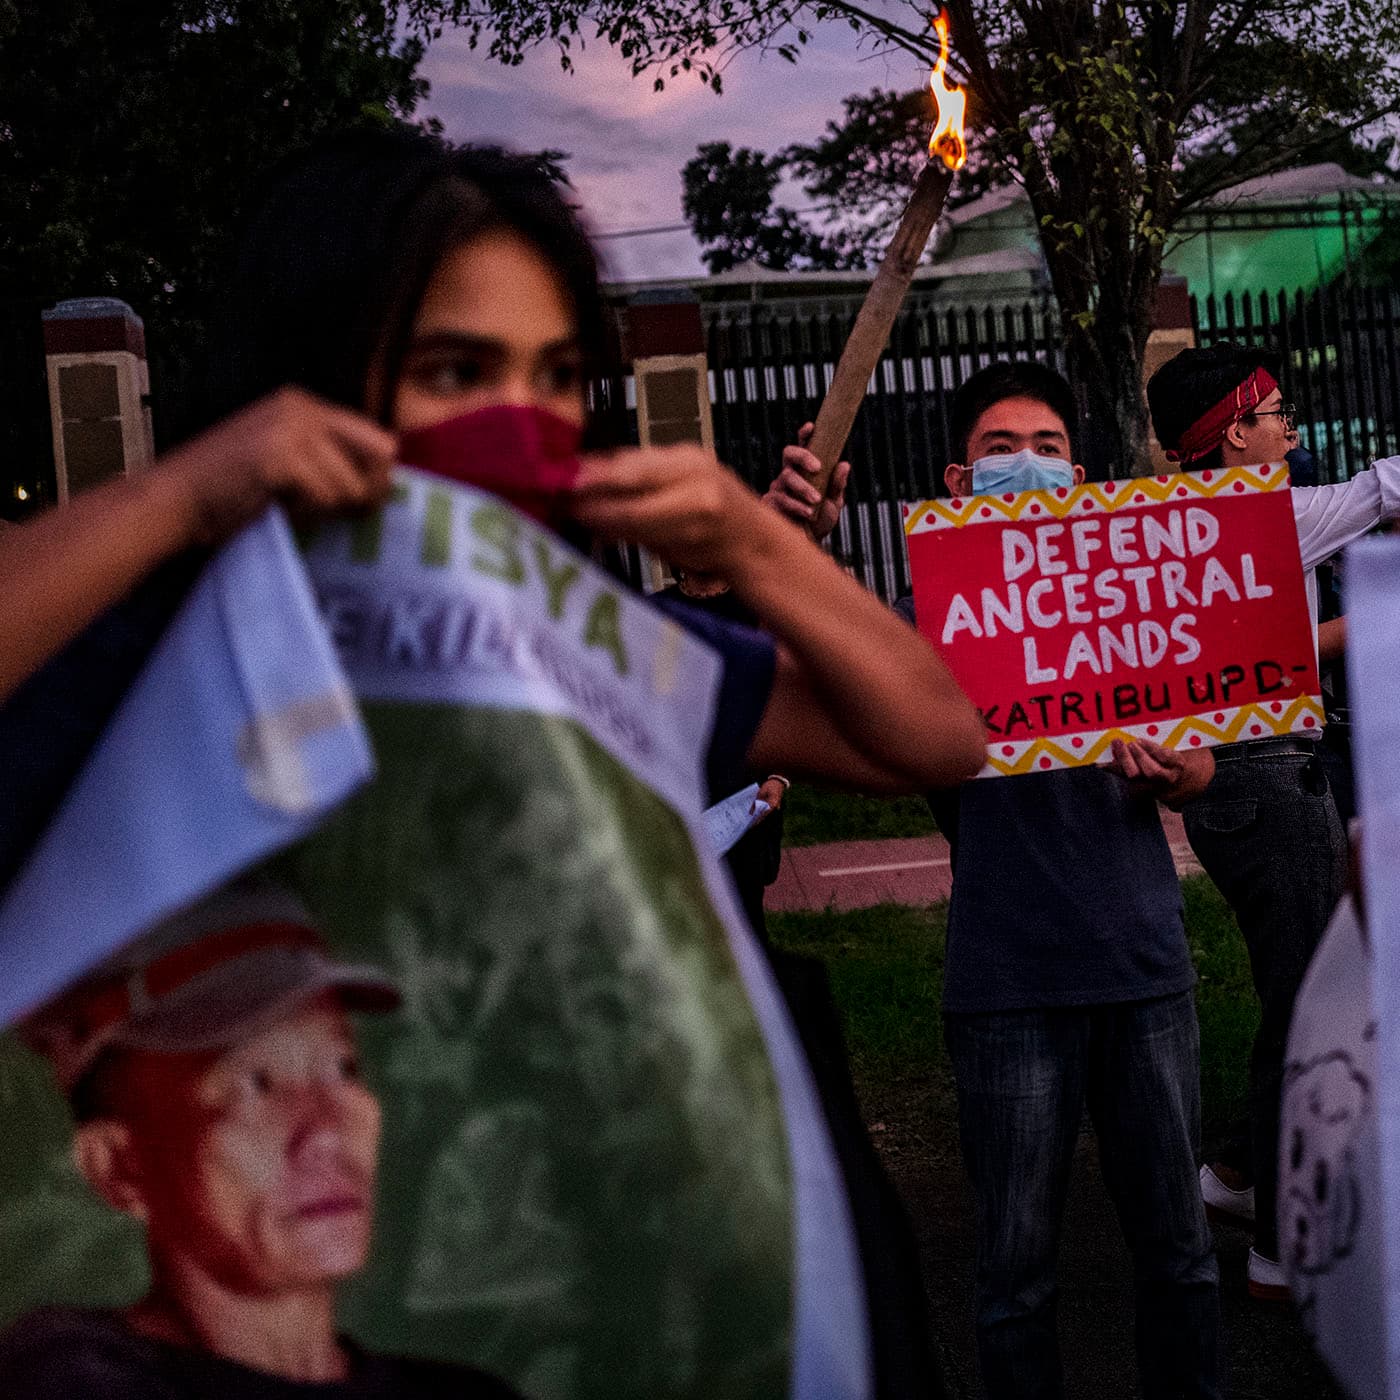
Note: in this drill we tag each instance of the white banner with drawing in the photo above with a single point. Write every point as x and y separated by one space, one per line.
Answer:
1339 1144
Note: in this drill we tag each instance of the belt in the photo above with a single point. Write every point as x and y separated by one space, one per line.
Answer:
1264 748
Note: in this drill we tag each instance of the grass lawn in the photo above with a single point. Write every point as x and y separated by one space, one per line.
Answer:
886 968
811 817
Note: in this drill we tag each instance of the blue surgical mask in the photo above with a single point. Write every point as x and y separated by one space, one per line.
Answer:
1019 471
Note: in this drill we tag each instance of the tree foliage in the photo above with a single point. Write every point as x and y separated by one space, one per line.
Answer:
866 161
1095 105
856 178
727 197
131 134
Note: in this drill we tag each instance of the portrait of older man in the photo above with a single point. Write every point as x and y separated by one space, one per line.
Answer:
212 1072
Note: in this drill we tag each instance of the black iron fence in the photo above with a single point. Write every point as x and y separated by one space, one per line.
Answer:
1340 348
770 364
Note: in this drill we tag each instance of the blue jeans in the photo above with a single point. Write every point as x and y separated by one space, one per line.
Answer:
1024 1079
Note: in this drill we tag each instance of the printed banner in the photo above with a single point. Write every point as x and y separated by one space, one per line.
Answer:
238 736
603 1168
609 1154
728 820
1330 1202
1373 662
1171 608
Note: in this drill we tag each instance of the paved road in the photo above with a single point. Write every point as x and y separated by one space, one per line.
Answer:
910 870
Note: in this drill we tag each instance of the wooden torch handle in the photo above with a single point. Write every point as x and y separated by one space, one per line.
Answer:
871 332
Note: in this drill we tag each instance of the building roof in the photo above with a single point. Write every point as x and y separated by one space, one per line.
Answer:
1005 262
1300 185
1002 216
995 201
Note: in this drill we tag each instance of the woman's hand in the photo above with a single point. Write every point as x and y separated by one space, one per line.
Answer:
678 502
772 791
858 697
316 457
63 568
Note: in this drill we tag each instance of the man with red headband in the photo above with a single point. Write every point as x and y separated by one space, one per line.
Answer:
1266 829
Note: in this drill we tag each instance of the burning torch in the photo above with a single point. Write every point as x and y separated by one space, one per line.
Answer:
947 153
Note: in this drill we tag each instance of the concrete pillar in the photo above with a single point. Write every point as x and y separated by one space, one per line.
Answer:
1171 334
99 392
663 338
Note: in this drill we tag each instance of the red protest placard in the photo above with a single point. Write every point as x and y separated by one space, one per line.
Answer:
1170 608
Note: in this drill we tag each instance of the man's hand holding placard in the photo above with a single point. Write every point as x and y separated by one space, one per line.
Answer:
1154 771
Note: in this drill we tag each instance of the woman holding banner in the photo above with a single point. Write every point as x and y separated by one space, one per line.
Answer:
612 1173
453 298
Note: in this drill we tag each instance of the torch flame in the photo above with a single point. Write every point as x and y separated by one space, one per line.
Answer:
947 140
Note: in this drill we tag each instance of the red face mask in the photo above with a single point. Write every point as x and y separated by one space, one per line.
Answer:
523 455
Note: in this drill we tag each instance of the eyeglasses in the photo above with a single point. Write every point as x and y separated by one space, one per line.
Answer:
1287 411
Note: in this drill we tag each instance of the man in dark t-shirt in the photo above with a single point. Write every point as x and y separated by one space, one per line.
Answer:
1068 985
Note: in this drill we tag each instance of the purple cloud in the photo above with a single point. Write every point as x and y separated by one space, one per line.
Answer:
628 143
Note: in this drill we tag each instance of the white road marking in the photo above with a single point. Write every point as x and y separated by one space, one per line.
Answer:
879 869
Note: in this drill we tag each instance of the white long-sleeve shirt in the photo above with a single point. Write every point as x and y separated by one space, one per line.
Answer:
1330 517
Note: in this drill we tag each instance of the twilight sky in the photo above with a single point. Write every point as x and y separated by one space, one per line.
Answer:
628 143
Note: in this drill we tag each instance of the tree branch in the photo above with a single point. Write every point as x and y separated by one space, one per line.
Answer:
1285 155
911 41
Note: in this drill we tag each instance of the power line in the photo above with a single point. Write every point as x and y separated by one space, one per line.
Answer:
642 232
685 228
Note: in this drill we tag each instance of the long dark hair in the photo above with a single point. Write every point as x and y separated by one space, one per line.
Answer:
338 253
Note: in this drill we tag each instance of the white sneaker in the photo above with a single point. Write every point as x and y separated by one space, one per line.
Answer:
1224 1203
1267 1280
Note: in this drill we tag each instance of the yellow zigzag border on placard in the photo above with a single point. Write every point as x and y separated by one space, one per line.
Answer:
1155 489
1063 756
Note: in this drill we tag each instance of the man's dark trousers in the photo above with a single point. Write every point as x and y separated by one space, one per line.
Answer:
1024 1079
1268 834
